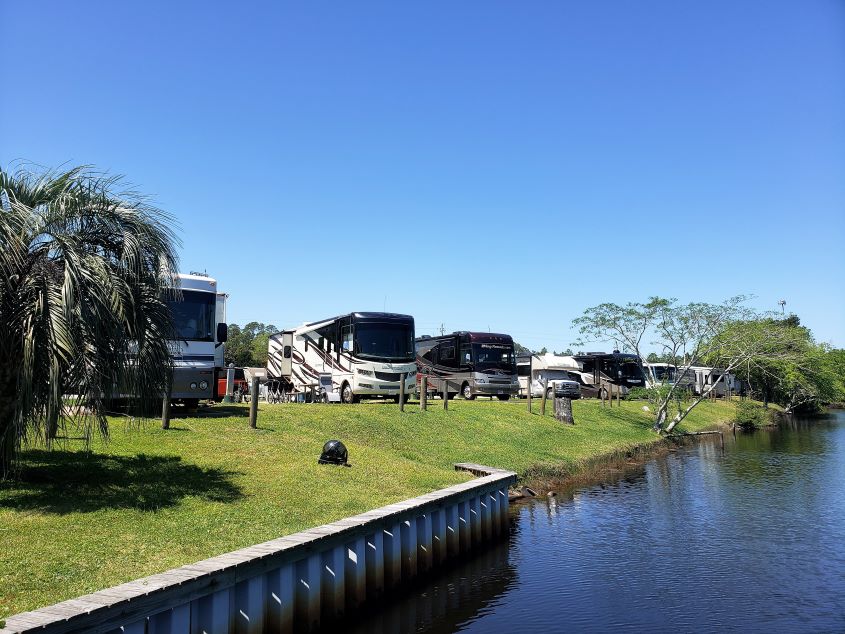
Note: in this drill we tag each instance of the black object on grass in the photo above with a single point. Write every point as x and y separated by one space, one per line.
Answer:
334 452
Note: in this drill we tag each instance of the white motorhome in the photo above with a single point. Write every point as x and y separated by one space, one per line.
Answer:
198 311
665 373
538 369
366 355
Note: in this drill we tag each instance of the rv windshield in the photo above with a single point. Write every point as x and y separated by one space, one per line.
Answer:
493 356
193 316
388 341
663 373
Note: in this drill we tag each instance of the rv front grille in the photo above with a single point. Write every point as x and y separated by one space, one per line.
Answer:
388 376
500 381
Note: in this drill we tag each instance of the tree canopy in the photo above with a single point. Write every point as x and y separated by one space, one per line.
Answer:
84 266
247 345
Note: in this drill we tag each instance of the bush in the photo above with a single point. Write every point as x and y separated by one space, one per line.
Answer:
751 415
638 394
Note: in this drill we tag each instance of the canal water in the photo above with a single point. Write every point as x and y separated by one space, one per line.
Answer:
750 539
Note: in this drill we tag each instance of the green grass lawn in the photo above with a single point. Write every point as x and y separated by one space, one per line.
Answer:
149 500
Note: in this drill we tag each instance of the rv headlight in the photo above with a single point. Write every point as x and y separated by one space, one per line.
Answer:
193 385
203 385
481 380
365 372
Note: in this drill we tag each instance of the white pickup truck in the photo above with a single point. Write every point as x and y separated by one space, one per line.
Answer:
559 384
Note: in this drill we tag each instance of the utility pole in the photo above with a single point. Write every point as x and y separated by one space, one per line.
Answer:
782 304
442 329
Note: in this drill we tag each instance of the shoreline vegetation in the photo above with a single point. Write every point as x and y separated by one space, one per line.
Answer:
149 500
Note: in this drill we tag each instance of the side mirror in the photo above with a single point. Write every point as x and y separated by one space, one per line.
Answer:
222 332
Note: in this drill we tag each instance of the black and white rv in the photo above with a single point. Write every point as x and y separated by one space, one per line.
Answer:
365 354
469 363
595 370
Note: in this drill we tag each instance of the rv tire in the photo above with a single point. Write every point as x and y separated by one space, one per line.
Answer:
503 397
466 390
550 393
346 394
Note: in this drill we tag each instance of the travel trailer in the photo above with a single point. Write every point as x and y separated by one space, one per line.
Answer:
723 381
198 311
469 363
551 368
366 355
660 373
595 370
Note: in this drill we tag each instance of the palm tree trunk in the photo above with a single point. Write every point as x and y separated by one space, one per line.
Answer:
8 437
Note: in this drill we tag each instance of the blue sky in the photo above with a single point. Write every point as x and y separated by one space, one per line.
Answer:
482 165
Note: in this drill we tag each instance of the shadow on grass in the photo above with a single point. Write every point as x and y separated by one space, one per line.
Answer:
78 482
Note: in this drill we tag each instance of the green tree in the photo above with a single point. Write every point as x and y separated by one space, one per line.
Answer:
247 345
520 349
725 335
801 375
83 270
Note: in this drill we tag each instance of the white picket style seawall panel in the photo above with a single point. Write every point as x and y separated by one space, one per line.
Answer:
294 583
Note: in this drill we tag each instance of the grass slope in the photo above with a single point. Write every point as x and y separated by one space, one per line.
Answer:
149 500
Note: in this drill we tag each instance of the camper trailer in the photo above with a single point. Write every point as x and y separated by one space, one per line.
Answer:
549 370
724 382
366 355
469 363
596 370
198 311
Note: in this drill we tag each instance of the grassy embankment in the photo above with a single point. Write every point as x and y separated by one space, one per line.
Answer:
149 500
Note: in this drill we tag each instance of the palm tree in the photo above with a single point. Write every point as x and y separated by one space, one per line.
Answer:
83 271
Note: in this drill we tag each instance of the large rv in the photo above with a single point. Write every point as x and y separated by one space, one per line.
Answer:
365 354
595 370
198 311
469 363
549 371
666 373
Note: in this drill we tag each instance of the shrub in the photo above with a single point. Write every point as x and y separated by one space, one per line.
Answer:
751 415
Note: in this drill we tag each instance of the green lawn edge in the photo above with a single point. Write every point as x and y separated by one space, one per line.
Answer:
148 500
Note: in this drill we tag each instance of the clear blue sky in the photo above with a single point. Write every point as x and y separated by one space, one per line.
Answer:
527 159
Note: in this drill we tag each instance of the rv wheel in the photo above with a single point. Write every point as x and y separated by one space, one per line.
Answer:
550 393
346 394
503 397
467 392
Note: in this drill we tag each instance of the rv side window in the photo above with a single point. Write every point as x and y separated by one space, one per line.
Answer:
346 338
523 370
447 354
466 354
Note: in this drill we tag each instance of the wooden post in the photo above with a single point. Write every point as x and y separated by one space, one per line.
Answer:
530 381
445 394
423 392
563 410
543 398
165 412
602 394
618 396
402 391
253 403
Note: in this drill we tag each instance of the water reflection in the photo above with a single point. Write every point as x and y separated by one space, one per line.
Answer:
751 538
460 595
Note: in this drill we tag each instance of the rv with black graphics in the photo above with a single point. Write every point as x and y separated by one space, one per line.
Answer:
365 354
469 363
596 370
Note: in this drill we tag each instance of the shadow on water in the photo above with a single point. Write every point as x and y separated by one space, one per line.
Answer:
79 482
442 603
